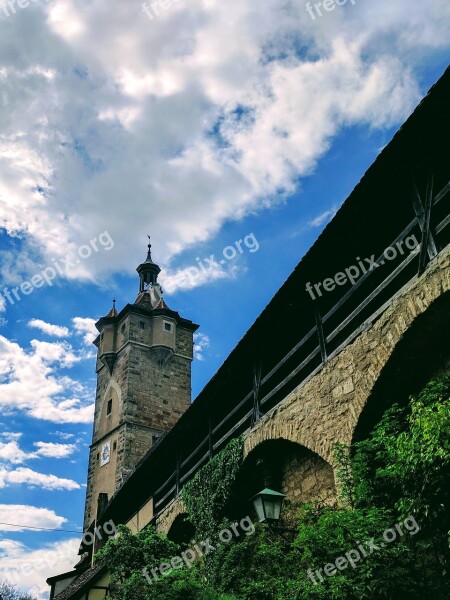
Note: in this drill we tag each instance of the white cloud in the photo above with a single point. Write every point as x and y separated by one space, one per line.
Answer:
29 568
11 452
28 516
191 277
324 217
26 476
64 435
86 327
11 435
52 450
109 125
33 381
48 328
201 342
10 547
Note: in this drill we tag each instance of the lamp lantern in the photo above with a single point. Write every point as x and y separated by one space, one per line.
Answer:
268 504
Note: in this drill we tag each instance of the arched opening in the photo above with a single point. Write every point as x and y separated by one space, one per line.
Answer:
423 351
286 467
182 531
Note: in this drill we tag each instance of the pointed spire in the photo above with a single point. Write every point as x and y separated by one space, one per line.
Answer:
149 253
148 270
113 312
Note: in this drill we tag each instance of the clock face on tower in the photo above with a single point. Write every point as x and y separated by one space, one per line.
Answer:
106 453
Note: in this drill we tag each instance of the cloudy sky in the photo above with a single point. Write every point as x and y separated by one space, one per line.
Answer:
202 123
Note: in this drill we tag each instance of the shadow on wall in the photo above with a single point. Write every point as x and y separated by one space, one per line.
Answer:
286 467
182 531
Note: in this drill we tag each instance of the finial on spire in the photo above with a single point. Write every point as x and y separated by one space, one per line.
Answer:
149 253
113 311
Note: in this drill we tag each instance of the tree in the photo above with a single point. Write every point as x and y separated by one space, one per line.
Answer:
8 591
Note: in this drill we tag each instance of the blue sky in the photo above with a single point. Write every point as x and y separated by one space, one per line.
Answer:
209 124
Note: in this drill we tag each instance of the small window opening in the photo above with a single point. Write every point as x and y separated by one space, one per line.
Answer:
109 409
114 446
142 324
167 326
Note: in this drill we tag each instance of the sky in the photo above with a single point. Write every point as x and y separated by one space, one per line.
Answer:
231 132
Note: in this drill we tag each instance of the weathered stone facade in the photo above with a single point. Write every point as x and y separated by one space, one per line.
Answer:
143 388
306 477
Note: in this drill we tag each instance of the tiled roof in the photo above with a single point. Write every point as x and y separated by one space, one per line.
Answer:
71 591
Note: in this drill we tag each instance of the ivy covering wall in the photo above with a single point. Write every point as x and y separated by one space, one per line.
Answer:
207 493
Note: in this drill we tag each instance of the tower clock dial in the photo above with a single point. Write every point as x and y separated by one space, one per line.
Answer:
106 453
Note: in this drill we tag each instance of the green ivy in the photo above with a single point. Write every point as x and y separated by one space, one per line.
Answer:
206 494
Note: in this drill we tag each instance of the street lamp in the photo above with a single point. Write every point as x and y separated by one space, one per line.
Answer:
268 505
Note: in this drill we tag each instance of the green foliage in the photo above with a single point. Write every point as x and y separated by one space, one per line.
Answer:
266 566
253 567
207 493
327 533
8 591
405 462
182 585
128 554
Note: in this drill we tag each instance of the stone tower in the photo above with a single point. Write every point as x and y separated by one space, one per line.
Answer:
143 384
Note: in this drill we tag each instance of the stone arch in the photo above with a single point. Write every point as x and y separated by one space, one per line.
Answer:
326 409
105 422
286 467
166 519
422 352
181 531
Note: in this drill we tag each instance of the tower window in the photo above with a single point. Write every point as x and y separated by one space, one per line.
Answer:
142 324
167 326
122 329
109 409
114 446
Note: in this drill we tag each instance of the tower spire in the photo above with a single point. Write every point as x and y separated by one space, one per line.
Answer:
113 312
148 270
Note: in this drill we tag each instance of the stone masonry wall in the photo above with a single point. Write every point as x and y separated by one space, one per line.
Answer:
307 479
150 388
326 409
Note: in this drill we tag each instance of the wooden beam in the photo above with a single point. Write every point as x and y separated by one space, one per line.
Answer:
320 333
295 372
257 369
177 478
445 190
372 295
426 233
210 436
364 277
421 218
